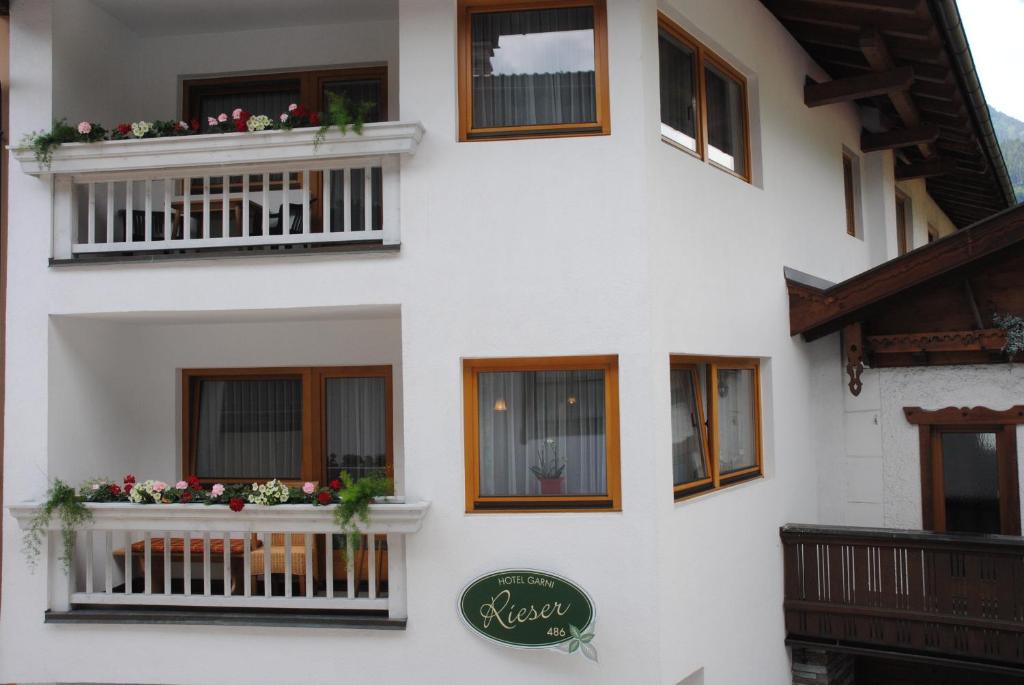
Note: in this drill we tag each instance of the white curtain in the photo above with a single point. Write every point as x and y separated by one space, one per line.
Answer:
519 412
736 436
249 428
355 427
687 444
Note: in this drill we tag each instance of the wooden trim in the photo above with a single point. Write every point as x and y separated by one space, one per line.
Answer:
965 416
902 215
850 193
703 56
857 87
717 479
682 488
610 501
466 8
313 466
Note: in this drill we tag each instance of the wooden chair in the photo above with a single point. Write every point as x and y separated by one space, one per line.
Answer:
177 552
278 556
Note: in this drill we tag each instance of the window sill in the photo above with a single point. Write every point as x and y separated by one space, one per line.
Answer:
229 253
219 617
528 506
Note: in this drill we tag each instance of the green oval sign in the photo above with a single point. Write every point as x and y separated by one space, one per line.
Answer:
525 608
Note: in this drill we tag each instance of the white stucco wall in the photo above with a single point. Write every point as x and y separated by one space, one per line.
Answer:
613 244
923 211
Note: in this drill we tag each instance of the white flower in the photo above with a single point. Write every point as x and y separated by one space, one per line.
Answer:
222 117
292 107
85 128
141 128
270 492
237 114
95 486
258 122
183 124
284 116
210 121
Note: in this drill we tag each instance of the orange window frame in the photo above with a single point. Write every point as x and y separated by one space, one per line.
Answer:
702 56
467 132
313 464
850 194
709 422
610 501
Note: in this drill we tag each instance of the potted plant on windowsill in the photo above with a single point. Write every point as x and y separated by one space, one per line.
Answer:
549 469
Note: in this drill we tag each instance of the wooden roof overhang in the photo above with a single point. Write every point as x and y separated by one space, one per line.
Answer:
909 62
933 306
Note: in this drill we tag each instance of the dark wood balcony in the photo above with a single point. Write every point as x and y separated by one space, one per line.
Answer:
930 597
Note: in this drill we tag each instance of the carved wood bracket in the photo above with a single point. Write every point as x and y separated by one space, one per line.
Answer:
853 348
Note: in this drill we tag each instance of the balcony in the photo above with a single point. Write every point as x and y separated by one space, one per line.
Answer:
215 570
930 596
239 191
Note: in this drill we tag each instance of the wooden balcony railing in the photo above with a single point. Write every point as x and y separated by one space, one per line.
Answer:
955 596
194 557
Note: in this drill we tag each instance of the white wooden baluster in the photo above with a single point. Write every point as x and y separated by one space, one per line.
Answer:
206 564
91 233
346 199
109 237
286 201
367 198
244 228
147 555
266 232
186 215
88 557
128 563
329 565
308 539
267 537
108 562
225 208
148 233
167 560
350 567
187 562
325 198
227 564
168 222
129 211
305 210
371 567
247 540
287 562
396 576
206 233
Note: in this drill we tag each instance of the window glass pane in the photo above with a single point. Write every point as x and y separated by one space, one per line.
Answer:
678 92
249 428
737 447
269 97
970 474
355 426
726 126
542 433
688 463
533 67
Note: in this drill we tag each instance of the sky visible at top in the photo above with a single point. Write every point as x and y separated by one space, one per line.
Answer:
994 30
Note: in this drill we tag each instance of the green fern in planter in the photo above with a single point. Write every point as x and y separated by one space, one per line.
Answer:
343 115
355 498
61 499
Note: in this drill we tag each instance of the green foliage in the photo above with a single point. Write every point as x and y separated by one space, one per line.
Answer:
1010 133
548 465
43 143
355 498
1014 327
343 115
61 499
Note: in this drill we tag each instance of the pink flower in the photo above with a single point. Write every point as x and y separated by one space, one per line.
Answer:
95 486
183 125
159 486
284 116
292 107
237 114
308 488
85 128
217 490
211 121
222 117
181 485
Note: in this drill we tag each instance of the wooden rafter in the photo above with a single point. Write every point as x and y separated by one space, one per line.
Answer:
930 167
900 137
857 87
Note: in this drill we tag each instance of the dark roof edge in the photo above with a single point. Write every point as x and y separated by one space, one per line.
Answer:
947 16
794 276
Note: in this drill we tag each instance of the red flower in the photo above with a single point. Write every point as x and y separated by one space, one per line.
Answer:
314 118
193 483
186 497
324 497
335 485
124 129
129 478
236 504
127 488
115 489
300 112
240 122
194 123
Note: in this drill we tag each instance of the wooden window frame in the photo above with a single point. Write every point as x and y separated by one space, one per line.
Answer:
933 424
313 465
702 55
709 423
850 191
475 503
903 242
467 132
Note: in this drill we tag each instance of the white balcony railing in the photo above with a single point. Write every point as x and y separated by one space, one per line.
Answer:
194 556
234 190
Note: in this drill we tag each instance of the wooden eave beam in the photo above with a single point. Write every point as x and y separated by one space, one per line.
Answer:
901 137
926 169
814 12
857 87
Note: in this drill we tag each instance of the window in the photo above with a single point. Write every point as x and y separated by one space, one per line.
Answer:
532 68
703 101
903 239
969 469
850 192
716 422
542 434
295 424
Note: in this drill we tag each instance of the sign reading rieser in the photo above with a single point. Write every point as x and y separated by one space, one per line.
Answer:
530 609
